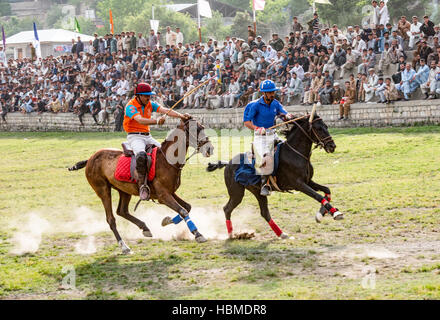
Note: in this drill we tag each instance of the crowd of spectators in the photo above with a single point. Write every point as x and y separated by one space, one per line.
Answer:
98 77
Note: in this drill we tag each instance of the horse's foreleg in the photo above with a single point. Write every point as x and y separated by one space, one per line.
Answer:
264 211
177 219
336 214
317 187
124 200
168 200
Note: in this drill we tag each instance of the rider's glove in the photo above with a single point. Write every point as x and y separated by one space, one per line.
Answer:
260 130
289 116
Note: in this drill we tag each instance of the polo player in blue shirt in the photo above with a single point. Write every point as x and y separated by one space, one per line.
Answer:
260 115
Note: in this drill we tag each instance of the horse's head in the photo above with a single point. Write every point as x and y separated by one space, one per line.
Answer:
195 133
314 129
319 133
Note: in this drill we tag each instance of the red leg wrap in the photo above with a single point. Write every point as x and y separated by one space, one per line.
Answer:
275 228
328 196
229 226
333 210
324 201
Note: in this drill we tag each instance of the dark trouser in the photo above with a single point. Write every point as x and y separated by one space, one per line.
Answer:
80 116
4 113
141 167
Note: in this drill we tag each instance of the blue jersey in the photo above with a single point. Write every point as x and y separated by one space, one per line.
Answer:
261 114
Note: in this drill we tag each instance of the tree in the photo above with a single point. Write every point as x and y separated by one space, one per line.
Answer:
239 26
214 27
13 25
5 9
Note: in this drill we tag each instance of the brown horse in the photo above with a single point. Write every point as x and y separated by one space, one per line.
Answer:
101 166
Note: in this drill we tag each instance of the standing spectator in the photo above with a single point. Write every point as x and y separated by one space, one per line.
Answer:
414 32
296 26
314 23
170 37
179 36
96 44
152 40
384 16
251 32
347 101
427 27
79 46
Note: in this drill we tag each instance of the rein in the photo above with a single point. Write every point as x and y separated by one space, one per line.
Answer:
321 142
200 144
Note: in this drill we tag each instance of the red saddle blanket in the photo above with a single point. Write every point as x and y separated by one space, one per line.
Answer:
127 165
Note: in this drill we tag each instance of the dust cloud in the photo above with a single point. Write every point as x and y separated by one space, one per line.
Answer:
88 223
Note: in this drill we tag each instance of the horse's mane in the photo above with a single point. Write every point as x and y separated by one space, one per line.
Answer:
293 128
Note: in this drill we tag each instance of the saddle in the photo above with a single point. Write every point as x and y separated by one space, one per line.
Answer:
126 167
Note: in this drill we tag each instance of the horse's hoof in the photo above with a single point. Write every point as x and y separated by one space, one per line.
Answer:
338 215
284 236
125 249
166 221
200 239
319 216
147 233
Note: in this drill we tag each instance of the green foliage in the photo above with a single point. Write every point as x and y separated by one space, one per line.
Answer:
53 16
5 9
275 13
14 25
87 26
135 16
239 26
214 27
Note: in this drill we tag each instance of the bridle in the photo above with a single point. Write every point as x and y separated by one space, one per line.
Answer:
200 144
321 142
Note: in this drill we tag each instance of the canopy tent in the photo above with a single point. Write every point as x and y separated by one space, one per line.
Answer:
52 41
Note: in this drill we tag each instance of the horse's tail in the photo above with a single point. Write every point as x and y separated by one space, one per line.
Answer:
79 165
214 166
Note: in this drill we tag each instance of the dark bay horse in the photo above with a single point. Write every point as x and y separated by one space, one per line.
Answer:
101 166
294 172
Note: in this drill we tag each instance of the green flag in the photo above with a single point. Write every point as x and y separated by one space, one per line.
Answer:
77 27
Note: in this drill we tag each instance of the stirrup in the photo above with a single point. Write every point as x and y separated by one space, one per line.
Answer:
147 190
269 188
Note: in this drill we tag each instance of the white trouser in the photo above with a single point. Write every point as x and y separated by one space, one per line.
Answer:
138 142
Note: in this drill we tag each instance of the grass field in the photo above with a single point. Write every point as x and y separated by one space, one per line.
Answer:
385 181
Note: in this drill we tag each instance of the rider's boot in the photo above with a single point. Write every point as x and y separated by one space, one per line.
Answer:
141 168
265 188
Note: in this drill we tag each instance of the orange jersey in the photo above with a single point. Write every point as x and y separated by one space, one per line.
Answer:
134 108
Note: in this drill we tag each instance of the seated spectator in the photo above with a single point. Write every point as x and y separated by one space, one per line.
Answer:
326 93
391 93
408 84
338 93
429 87
379 91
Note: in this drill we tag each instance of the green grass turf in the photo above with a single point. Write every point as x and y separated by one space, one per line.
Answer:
385 181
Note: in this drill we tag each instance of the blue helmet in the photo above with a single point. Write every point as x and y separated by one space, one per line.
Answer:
268 86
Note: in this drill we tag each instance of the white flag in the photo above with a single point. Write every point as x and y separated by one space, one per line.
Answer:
323 2
204 9
154 24
259 4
